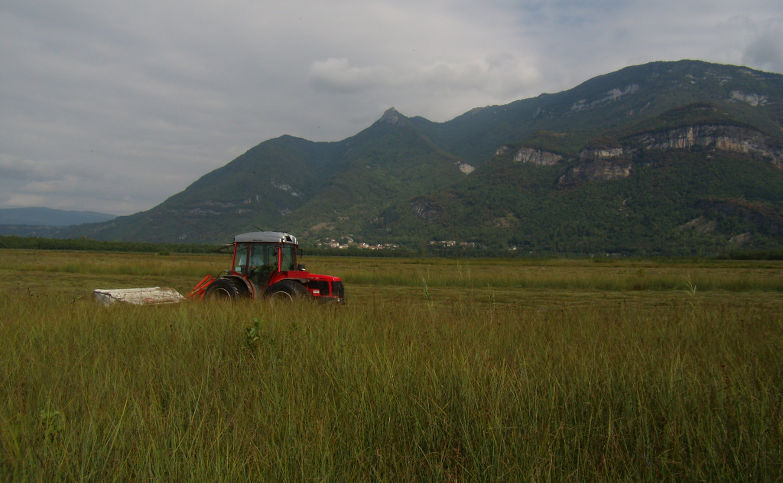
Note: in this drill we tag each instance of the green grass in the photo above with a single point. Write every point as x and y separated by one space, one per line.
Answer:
479 370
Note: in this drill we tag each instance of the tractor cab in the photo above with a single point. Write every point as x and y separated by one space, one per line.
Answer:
259 256
264 264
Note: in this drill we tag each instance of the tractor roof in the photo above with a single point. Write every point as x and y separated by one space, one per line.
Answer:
265 237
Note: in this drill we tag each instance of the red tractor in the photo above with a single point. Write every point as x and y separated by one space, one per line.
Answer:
265 265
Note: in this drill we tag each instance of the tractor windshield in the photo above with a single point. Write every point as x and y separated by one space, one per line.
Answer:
263 257
263 263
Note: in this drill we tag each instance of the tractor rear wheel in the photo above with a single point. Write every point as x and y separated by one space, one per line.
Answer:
286 290
222 289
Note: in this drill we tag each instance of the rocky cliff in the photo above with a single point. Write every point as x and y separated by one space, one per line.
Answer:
606 163
735 139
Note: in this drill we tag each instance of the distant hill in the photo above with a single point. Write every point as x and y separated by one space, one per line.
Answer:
45 222
663 158
49 217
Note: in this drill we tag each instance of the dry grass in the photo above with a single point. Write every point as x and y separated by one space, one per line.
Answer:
436 369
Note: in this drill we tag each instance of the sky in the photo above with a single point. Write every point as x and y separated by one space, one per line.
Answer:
114 106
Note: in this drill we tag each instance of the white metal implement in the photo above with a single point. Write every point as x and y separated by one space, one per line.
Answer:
137 296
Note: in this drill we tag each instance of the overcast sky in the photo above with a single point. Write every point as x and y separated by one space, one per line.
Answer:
115 106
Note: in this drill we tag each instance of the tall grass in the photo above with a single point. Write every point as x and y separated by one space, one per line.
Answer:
408 384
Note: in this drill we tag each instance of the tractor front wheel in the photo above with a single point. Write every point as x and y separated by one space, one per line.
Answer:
286 290
222 289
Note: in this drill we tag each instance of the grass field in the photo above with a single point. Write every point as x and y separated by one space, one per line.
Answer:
434 370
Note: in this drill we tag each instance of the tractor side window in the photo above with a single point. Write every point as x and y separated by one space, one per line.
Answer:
288 258
240 259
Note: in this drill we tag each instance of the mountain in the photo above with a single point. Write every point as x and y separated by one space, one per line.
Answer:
664 158
291 182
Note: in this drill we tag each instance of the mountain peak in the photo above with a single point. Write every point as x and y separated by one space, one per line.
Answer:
391 116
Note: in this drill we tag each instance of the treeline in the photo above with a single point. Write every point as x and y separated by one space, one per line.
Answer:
753 255
36 243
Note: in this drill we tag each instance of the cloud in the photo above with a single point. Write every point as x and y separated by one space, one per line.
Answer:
15 169
766 48
497 74
338 76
